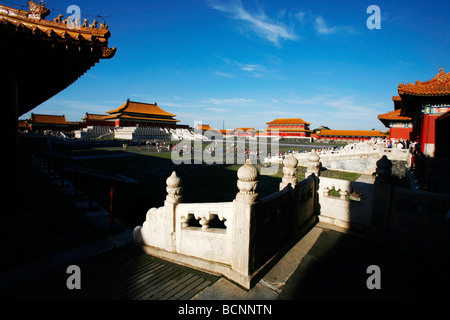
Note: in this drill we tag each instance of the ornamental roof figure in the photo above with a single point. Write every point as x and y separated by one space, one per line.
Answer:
439 85
37 53
415 96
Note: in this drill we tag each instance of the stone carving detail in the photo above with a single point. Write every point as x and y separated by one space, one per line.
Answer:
173 188
289 170
343 194
204 221
185 220
313 164
247 182
203 217
243 248
384 168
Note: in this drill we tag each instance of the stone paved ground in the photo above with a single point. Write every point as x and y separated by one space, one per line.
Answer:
331 263
46 223
53 231
124 273
336 268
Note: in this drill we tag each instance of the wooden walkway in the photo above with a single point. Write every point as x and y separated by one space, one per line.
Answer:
124 273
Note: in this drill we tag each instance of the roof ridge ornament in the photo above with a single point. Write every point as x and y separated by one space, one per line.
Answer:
37 11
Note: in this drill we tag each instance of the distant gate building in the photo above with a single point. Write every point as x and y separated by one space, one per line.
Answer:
288 127
133 113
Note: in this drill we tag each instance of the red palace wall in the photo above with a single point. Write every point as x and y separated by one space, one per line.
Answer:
290 134
428 128
428 137
400 133
282 132
342 138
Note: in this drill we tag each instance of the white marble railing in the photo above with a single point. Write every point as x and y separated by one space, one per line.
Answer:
231 238
345 203
355 149
204 212
204 241
358 157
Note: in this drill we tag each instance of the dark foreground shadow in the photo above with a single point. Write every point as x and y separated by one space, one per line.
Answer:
336 268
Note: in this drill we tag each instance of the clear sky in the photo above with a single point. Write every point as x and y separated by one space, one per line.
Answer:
247 62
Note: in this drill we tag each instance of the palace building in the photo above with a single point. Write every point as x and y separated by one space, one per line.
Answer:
288 127
203 127
349 135
133 113
427 104
47 122
400 127
93 119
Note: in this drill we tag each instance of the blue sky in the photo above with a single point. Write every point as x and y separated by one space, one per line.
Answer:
247 62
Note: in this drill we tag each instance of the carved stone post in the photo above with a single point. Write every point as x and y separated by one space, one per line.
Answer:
243 229
313 164
173 198
173 188
314 167
381 194
247 182
289 170
158 230
384 170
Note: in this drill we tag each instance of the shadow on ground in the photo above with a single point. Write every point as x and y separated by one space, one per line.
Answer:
336 268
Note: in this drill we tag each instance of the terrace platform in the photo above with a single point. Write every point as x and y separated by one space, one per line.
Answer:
52 233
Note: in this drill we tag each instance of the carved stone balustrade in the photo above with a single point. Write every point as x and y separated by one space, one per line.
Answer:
242 247
345 203
344 194
173 188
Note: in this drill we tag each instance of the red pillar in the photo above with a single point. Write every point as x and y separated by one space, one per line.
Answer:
428 139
